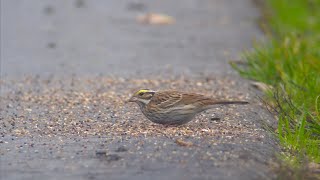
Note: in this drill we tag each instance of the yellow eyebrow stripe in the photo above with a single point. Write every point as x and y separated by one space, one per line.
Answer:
142 91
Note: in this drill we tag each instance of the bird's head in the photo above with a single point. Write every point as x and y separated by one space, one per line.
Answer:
142 97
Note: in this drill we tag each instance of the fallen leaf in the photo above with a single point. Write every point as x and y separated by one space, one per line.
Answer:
181 142
155 19
261 86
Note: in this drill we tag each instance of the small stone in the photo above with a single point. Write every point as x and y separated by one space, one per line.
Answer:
136 6
49 10
121 149
79 3
51 45
215 119
101 152
113 157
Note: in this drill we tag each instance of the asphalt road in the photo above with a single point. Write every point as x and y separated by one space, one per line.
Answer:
68 66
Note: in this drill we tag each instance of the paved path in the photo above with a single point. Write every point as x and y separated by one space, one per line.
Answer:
67 67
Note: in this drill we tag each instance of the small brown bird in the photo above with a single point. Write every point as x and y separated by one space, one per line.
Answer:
173 107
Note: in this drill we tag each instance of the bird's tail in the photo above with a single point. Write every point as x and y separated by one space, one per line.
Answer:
212 103
230 102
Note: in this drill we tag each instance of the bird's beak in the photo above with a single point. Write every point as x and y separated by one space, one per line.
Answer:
132 99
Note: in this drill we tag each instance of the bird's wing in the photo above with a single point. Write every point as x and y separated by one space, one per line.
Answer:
194 99
166 99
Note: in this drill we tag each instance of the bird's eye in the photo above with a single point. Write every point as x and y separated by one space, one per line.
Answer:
140 94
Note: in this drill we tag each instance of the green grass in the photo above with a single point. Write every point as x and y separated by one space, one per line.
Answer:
290 62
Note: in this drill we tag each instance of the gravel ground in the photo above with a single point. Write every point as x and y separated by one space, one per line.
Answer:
69 66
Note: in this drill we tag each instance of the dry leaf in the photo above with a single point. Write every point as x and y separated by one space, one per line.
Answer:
155 19
184 143
261 86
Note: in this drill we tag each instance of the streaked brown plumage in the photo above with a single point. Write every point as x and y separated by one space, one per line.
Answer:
173 107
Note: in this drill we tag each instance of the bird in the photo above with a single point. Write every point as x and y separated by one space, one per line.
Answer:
170 107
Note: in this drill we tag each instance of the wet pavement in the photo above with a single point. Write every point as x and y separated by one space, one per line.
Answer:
67 68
